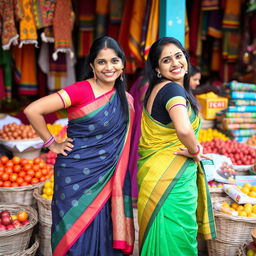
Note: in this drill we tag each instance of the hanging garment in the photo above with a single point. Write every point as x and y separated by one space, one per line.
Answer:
102 8
86 20
6 64
152 29
44 12
62 28
124 37
25 69
91 207
137 17
115 17
56 82
8 31
28 32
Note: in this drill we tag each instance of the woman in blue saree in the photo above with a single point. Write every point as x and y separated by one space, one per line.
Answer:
91 206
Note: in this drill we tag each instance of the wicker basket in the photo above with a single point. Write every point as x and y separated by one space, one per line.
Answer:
242 250
28 252
217 194
18 195
17 240
45 248
234 229
44 206
218 248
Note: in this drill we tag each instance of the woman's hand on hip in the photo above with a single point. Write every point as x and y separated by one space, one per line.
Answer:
198 157
62 147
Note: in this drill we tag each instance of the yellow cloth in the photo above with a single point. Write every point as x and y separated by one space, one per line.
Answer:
159 169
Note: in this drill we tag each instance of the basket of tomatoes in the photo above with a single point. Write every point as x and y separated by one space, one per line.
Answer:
20 176
17 223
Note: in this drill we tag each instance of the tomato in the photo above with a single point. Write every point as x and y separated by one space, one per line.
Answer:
43 178
23 161
13 177
22 174
4 159
42 164
1 183
22 215
8 170
36 167
38 174
20 180
7 184
37 160
16 160
15 184
5 176
1 167
44 172
31 173
27 167
16 168
27 178
34 180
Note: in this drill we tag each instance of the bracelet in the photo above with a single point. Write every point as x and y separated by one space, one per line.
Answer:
196 153
49 142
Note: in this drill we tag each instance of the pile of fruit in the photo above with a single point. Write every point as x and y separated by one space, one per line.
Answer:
48 189
215 184
252 141
15 131
210 134
243 210
11 221
17 172
248 189
49 157
239 153
226 171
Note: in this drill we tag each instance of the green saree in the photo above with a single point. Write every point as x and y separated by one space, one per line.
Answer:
173 202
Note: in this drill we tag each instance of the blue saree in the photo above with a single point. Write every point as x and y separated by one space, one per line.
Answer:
91 206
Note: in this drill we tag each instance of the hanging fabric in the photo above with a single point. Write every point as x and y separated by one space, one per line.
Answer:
28 32
8 32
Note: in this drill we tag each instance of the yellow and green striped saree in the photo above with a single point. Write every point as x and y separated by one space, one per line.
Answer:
173 201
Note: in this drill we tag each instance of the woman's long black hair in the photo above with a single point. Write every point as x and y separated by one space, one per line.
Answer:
152 63
97 46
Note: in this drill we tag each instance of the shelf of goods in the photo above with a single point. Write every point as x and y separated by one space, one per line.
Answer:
239 119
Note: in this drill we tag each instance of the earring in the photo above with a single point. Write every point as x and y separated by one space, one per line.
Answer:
121 77
159 75
94 76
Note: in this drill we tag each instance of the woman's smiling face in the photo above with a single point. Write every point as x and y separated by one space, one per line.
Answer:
107 66
172 64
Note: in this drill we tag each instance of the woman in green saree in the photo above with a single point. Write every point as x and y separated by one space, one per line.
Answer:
173 201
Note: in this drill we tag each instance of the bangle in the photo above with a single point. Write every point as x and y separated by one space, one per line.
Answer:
49 142
196 153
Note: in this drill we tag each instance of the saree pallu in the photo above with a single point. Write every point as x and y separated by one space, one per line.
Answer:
91 207
173 202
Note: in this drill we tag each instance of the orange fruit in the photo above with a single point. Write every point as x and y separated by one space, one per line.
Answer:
22 215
